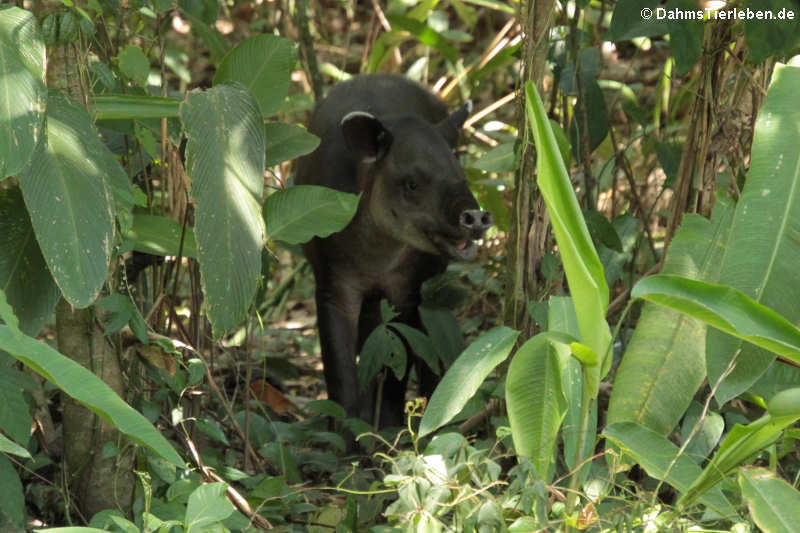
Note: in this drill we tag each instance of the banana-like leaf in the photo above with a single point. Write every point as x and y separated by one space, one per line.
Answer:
264 65
762 254
29 287
22 90
726 309
88 389
659 458
159 235
68 189
587 283
133 106
743 442
225 161
774 504
664 363
535 399
462 379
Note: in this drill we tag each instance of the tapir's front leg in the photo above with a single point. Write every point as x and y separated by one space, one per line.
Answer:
338 308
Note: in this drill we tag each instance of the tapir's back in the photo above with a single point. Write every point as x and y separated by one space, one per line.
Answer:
380 95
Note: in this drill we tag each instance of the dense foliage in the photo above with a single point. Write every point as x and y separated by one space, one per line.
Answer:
624 355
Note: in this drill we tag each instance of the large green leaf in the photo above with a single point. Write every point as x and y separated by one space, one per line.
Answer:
561 318
287 141
207 505
582 266
297 214
29 287
536 401
159 235
628 22
12 504
462 379
774 504
762 255
660 459
22 90
664 363
87 389
264 65
133 106
726 309
68 191
743 442
225 161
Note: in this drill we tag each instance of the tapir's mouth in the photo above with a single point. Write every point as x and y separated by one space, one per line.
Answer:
461 249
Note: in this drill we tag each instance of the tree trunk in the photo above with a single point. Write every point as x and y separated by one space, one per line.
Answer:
527 239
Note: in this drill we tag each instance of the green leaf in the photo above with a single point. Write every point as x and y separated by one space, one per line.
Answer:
133 106
134 64
424 34
660 459
225 161
498 159
22 90
15 417
70 201
159 235
741 443
421 345
774 37
761 256
12 504
207 505
297 214
441 324
774 504
382 348
627 21
685 36
287 141
72 529
9 446
536 401
263 64
596 126
462 379
88 389
123 312
664 363
726 309
582 266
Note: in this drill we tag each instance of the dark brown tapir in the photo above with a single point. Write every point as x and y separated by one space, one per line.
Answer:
391 140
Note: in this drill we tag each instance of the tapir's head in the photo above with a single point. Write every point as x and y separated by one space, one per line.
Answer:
414 189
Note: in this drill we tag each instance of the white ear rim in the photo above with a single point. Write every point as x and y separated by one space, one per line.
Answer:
354 114
469 106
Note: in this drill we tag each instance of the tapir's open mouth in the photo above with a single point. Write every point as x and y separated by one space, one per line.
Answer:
461 250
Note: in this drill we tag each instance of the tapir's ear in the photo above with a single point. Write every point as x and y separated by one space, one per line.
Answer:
450 126
365 136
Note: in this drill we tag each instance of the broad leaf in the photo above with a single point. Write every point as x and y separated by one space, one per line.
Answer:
462 379
774 504
24 277
761 255
536 401
133 106
68 192
660 459
628 22
207 505
22 90
726 309
664 363
159 235
582 266
297 214
740 444
12 504
287 141
264 65
225 161
88 389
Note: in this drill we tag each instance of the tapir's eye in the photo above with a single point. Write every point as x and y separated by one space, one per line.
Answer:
411 185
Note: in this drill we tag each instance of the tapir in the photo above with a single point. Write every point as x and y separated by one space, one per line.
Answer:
392 141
